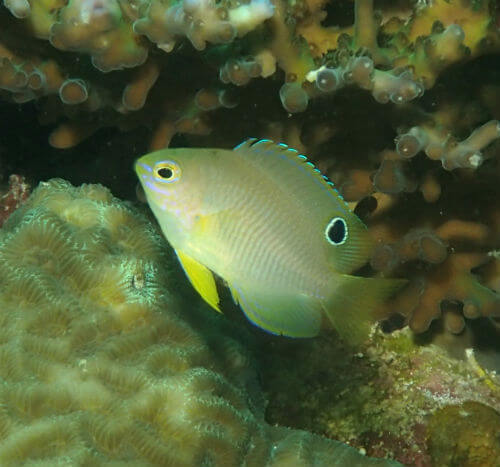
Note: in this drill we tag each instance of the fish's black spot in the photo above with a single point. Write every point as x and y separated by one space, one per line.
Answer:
336 231
166 173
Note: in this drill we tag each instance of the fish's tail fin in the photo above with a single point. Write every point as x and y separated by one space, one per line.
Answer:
355 304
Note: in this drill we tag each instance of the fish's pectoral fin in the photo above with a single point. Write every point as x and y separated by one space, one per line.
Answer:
355 304
293 315
201 278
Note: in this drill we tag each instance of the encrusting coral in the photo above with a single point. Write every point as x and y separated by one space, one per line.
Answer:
99 367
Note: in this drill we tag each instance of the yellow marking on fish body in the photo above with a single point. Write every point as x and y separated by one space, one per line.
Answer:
267 222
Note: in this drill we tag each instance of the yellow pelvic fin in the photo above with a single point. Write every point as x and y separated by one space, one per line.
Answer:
355 304
201 278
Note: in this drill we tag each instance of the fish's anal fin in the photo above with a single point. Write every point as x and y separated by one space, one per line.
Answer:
201 278
287 314
354 305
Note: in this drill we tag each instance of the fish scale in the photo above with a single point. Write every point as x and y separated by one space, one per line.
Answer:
266 221
268 230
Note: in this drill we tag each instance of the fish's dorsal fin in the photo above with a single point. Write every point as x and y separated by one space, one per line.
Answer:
201 278
266 149
313 193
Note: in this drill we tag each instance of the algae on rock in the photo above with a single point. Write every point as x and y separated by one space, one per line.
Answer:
393 397
467 435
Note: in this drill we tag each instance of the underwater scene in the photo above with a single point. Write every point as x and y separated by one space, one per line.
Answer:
250 233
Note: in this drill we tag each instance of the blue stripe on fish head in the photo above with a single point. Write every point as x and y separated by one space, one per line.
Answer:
174 187
146 167
159 179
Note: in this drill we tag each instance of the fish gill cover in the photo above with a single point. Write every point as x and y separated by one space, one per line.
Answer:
397 102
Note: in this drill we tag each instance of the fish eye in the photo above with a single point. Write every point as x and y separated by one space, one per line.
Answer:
167 171
336 231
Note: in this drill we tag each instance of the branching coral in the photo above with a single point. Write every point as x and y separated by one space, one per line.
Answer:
438 145
395 60
99 367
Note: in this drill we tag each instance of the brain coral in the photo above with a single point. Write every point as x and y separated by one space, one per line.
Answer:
97 365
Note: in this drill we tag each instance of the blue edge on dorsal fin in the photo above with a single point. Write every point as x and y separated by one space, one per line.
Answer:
253 142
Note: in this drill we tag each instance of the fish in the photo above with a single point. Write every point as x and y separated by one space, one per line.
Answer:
263 218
